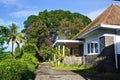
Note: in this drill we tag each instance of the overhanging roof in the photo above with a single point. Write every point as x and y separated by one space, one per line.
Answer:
100 26
111 16
61 42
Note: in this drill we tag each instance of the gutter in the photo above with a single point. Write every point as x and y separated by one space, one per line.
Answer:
99 26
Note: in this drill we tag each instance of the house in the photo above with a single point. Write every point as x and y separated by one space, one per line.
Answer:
99 42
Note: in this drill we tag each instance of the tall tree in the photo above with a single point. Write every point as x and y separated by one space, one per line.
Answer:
52 20
66 29
13 32
37 34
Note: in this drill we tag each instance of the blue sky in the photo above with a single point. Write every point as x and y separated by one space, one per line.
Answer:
17 11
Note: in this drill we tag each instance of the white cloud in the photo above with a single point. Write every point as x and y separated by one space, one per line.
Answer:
92 15
18 3
6 23
9 2
2 22
24 13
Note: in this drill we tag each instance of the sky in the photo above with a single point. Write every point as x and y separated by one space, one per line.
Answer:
17 11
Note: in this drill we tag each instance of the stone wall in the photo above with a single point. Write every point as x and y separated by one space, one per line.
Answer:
107 55
73 60
106 60
90 59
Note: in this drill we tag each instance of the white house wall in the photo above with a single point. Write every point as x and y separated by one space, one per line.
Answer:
94 36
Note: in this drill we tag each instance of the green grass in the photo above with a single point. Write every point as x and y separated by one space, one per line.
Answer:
89 72
71 67
65 67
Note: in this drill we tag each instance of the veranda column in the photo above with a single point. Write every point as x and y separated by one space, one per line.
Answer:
63 50
58 54
58 49
55 55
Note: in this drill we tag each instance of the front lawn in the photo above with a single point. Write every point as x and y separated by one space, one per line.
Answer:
88 72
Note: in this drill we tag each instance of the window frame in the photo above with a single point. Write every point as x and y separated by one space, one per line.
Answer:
92 49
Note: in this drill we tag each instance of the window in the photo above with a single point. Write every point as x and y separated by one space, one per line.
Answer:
92 48
88 48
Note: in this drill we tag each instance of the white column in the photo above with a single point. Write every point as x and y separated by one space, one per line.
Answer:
59 49
63 50
58 54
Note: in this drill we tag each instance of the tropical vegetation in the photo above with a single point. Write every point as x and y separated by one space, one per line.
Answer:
34 42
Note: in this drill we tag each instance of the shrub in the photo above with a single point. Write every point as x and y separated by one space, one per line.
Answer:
4 56
17 52
13 70
47 53
30 60
29 48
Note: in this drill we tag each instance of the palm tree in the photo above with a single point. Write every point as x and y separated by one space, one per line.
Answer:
12 34
22 40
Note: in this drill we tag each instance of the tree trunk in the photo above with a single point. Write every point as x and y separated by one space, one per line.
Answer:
12 49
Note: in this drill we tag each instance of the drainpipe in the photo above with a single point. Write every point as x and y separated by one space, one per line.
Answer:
116 60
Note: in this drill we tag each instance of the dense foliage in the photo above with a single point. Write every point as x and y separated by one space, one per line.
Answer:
23 62
13 70
18 69
29 48
5 55
10 34
59 22
3 37
45 28
37 34
31 61
47 53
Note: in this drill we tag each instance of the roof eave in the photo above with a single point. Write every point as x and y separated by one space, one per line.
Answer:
89 31
110 26
67 41
105 26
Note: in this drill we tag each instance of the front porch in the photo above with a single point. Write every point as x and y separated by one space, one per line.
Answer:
75 51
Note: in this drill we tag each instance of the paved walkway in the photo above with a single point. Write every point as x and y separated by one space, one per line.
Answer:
44 72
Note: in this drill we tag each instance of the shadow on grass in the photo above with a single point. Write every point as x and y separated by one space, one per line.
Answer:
94 74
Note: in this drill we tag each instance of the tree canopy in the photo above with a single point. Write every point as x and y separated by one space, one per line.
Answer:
37 34
60 23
